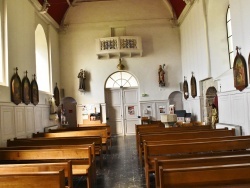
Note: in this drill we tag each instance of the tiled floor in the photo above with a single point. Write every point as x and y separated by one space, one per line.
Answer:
121 167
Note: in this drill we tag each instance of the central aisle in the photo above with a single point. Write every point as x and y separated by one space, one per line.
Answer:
121 167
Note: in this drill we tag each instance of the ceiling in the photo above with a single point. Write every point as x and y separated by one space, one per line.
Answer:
58 9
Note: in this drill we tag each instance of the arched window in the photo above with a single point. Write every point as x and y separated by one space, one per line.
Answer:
120 80
42 60
3 46
230 38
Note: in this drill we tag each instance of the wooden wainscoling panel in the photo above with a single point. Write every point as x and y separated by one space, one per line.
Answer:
7 124
225 111
148 110
45 117
38 119
20 121
30 122
239 110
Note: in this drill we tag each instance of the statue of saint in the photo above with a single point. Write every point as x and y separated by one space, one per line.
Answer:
161 73
214 116
81 76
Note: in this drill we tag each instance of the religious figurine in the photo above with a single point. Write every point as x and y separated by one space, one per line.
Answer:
81 76
161 73
214 116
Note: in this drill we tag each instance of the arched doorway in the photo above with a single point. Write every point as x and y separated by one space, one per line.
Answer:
176 99
69 107
210 97
121 95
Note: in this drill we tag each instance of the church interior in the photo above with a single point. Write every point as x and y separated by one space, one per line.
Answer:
129 67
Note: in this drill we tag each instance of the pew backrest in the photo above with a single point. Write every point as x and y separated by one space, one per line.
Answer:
171 137
198 162
33 179
39 167
236 175
165 150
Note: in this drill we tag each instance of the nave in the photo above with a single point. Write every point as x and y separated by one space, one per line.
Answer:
121 168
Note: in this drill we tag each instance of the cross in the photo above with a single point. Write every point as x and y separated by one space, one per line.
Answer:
237 48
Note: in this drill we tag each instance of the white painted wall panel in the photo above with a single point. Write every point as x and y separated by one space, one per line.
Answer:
38 119
45 117
147 109
20 122
225 113
193 106
7 124
239 111
30 123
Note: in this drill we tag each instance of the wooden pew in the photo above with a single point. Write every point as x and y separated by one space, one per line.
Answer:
40 167
182 135
153 129
198 162
42 141
33 179
81 158
86 127
236 175
49 146
102 133
164 150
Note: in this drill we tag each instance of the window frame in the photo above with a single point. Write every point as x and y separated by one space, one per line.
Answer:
229 37
120 81
48 72
3 44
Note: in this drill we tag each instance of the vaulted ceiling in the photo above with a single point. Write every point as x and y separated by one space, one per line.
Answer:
58 9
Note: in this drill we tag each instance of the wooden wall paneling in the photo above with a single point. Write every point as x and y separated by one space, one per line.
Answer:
20 122
103 112
239 109
248 112
30 122
161 107
38 119
130 127
148 109
225 109
45 117
7 124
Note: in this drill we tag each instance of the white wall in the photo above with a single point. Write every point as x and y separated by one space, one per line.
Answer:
161 45
194 54
233 105
22 120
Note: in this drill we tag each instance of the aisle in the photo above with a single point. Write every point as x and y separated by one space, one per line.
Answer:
121 168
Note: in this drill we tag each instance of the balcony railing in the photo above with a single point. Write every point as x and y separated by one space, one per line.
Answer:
118 47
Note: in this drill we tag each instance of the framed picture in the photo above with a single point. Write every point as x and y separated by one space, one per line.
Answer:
34 91
26 90
16 88
56 95
240 72
193 86
185 88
